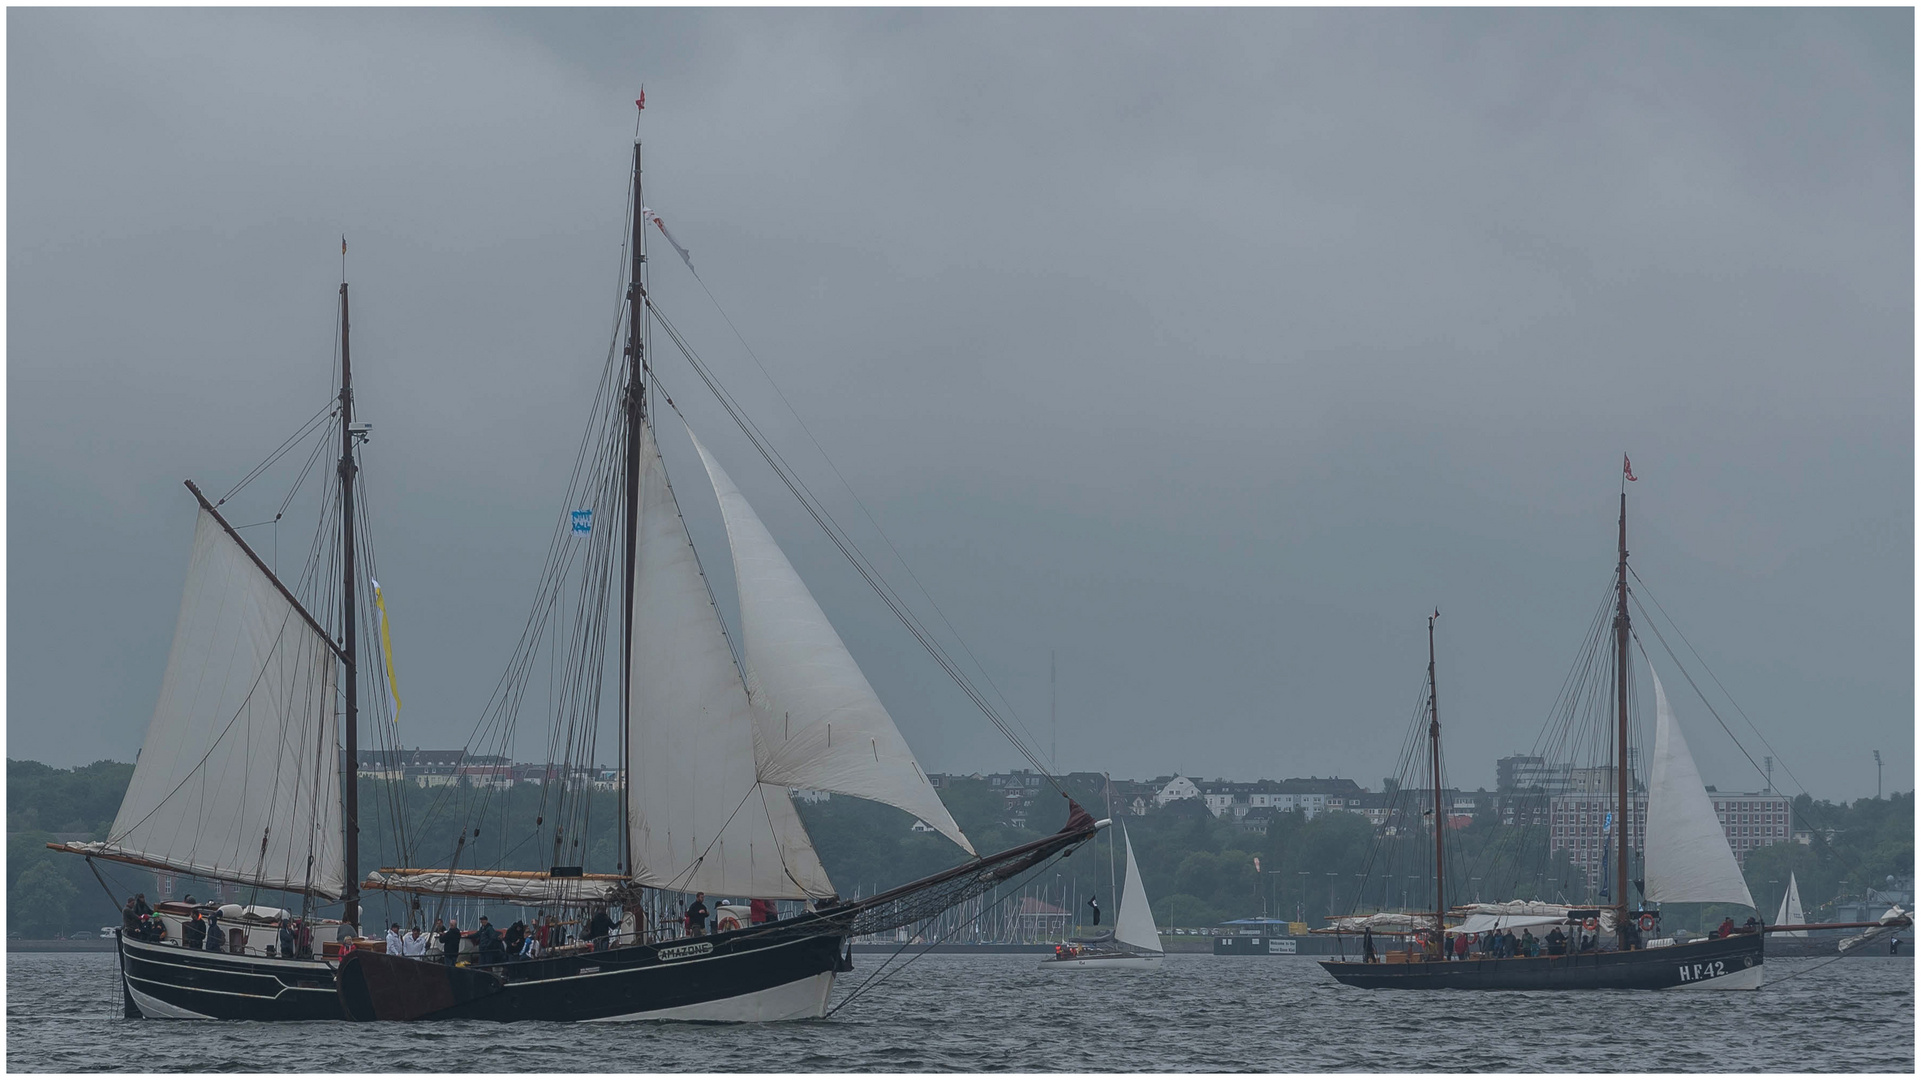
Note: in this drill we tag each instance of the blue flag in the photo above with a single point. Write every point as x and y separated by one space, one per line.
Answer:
583 522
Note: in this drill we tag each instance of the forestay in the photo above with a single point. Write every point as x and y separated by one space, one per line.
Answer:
817 722
1687 858
700 818
238 779
1134 923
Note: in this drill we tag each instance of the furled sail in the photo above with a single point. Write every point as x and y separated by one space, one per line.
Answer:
1791 913
1687 858
523 886
238 779
700 818
818 724
1134 923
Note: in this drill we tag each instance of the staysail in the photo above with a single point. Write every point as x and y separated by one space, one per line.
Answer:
1134 923
1791 913
818 723
238 779
1687 858
700 818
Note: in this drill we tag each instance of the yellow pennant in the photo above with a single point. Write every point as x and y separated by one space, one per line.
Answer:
387 646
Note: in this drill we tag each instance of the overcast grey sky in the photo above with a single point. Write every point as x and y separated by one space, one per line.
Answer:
1210 349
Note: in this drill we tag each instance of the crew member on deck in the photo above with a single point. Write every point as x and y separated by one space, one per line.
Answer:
193 934
395 947
697 915
450 942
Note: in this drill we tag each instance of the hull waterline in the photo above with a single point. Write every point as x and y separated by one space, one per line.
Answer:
1131 962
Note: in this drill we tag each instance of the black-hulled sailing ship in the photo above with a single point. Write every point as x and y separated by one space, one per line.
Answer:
1685 859
713 743
238 781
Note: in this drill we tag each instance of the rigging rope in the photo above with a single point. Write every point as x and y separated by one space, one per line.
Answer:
852 554
849 488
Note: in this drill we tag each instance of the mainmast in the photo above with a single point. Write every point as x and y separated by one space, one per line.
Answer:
350 807
1622 774
1440 818
636 402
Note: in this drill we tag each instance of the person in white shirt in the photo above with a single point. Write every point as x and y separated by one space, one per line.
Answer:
393 941
414 943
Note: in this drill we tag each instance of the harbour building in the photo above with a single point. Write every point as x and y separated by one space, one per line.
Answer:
1581 824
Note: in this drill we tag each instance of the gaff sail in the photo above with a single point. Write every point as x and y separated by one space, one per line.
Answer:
238 779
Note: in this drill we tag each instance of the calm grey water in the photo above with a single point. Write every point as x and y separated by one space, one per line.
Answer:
997 1013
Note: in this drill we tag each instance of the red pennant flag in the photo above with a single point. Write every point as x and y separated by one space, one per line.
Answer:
641 101
1627 470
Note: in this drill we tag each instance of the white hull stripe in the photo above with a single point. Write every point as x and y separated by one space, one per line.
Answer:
163 954
154 1009
802 999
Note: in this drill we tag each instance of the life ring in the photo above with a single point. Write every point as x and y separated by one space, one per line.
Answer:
726 923
1646 922
1591 924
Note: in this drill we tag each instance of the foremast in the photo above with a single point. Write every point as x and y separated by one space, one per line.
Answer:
1440 818
350 795
1622 773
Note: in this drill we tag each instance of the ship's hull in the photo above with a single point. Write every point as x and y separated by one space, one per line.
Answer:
1732 963
764 973
167 982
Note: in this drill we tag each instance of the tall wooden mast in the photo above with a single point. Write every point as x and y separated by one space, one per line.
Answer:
350 805
1440 816
1622 774
636 402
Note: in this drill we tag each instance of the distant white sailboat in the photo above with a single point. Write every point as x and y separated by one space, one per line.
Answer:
1136 945
1791 912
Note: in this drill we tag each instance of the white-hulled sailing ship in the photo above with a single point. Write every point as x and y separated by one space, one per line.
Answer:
1686 859
1135 944
239 782
712 745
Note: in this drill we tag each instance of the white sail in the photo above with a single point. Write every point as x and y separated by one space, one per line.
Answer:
1791 913
699 817
817 720
1687 856
1134 922
238 779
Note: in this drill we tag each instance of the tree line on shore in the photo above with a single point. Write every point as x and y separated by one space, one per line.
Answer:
1198 870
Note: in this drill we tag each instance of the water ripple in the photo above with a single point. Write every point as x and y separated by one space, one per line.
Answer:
952 1013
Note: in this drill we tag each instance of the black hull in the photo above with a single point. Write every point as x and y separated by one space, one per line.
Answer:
768 972
167 982
1725 963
